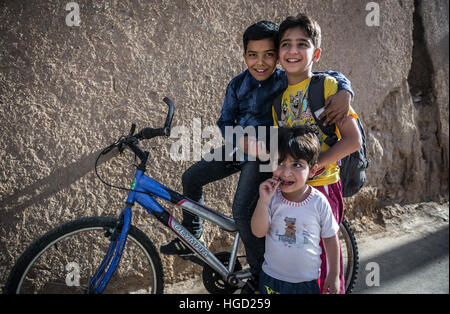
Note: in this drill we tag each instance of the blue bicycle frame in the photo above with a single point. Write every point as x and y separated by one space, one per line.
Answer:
144 190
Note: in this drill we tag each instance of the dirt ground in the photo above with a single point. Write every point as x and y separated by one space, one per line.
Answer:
375 236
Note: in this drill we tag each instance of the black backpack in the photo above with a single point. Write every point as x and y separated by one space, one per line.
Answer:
353 166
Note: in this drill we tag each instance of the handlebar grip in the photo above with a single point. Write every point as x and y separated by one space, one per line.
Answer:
169 113
149 133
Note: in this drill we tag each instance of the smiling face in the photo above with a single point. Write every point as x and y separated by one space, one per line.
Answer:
293 175
297 54
261 58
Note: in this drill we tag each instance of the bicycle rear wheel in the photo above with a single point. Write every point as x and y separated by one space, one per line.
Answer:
350 256
64 259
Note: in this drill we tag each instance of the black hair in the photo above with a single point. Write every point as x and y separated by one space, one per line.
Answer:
261 30
300 142
310 26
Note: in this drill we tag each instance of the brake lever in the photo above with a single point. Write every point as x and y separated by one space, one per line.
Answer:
108 149
133 128
119 144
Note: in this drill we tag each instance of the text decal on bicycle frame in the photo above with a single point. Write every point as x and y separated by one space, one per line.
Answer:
187 237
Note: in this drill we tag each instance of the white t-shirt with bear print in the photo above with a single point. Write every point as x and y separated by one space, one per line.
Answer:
292 243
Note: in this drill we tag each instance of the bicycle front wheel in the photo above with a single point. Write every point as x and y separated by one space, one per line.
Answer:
64 259
350 256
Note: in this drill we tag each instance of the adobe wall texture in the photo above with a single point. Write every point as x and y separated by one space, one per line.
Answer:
67 92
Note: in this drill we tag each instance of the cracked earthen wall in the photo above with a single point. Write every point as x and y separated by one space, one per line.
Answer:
67 92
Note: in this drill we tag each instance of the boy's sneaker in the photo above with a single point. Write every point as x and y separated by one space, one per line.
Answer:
176 247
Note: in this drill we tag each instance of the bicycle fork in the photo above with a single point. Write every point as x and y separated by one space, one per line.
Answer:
118 237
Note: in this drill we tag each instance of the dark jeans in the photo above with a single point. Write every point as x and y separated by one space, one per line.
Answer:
270 285
245 199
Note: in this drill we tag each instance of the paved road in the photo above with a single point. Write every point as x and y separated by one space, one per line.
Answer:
408 263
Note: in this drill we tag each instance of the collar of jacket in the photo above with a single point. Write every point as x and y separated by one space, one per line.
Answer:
277 81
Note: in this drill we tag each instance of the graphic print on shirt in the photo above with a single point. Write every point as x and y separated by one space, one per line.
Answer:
296 110
297 103
289 231
289 237
306 235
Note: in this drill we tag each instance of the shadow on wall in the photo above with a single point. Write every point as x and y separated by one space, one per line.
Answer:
52 184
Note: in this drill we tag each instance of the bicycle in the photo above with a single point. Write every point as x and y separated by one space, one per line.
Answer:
65 259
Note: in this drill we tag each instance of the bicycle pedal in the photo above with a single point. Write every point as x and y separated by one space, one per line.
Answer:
186 255
193 258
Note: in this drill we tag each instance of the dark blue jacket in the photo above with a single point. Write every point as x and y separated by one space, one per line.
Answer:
248 102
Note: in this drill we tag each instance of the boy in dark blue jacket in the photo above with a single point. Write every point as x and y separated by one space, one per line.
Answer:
248 103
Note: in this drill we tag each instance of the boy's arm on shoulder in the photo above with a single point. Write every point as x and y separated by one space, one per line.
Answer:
337 102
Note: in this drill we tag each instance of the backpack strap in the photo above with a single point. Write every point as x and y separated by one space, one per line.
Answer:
316 103
277 105
315 95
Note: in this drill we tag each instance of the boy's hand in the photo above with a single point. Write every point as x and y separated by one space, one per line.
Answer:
248 145
262 153
331 246
251 146
332 284
336 107
267 189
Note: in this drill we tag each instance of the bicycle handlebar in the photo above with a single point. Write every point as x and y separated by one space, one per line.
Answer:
149 133
131 141
169 114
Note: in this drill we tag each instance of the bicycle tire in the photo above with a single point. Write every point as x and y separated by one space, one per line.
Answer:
350 255
47 257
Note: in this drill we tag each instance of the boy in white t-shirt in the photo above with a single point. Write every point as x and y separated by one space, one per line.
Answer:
293 217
